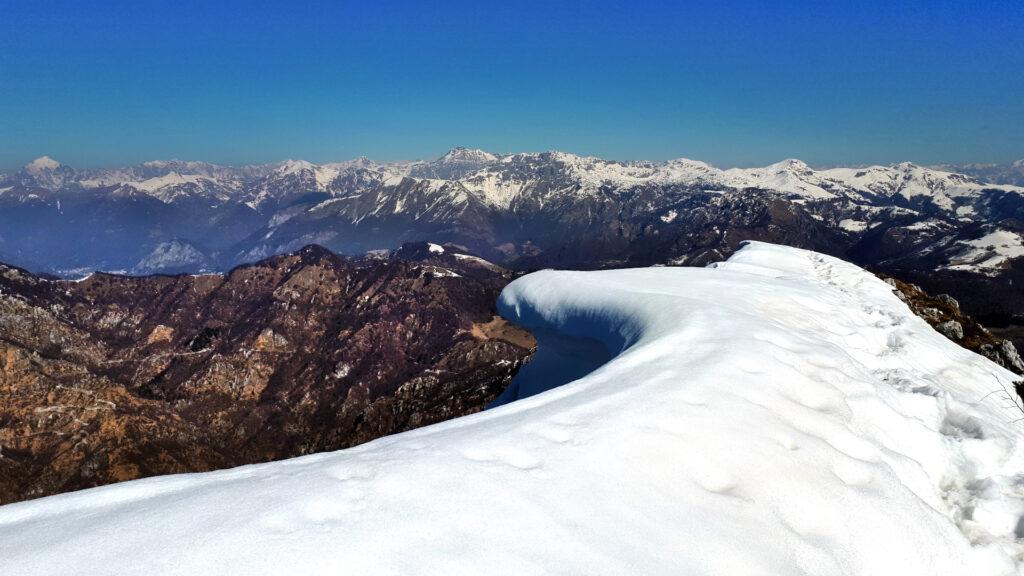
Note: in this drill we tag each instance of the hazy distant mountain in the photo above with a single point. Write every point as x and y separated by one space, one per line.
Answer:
522 210
1012 173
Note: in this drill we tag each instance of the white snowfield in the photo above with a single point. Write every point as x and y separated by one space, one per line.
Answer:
782 413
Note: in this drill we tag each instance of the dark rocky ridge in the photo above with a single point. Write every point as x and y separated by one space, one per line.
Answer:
113 378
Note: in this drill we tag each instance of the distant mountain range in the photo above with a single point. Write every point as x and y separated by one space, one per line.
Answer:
1012 173
524 211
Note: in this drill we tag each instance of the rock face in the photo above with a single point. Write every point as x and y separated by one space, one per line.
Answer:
1005 354
113 378
951 329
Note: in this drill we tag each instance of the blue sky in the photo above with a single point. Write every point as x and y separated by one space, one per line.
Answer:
733 83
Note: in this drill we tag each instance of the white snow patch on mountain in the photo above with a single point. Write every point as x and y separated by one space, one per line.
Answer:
991 251
477 260
781 413
909 181
494 188
171 179
789 176
851 225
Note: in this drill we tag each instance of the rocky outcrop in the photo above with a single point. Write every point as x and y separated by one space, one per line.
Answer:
951 329
944 314
1005 354
113 378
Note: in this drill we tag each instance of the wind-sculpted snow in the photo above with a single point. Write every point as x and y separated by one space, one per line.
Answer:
781 413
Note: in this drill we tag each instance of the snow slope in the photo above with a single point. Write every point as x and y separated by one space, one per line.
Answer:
781 413
988 253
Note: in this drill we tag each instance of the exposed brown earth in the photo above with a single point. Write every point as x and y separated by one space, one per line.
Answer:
114 378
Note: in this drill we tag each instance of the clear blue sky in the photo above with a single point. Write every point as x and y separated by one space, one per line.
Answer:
733 83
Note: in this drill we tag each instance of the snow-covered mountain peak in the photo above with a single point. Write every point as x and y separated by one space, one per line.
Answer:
45 172
171 164
690 163
570 158
462 154
183 166
905 166
364 163
294 166
790 164
361 162
42 164
171 179
686 170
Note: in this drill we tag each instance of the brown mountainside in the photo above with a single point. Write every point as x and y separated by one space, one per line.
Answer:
113 378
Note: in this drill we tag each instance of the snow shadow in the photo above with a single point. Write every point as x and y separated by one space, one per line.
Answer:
560 359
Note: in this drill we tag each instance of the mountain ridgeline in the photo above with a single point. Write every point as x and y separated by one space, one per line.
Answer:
940 228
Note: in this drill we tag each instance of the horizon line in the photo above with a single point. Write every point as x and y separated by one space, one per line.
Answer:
817 166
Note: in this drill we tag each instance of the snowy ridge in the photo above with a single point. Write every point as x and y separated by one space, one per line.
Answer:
468 155
790 177
781 413
497 180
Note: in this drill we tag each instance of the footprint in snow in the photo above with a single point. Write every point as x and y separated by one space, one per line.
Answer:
516 458
715 480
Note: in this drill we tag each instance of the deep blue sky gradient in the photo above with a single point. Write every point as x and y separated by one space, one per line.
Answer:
733 83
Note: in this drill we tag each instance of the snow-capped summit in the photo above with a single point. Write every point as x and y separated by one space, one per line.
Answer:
42 164
357 162
294 166
906 180
455 164
461 154
790 165
45 172
782 413
290 179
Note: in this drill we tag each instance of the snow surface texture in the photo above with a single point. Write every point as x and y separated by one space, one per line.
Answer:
782 413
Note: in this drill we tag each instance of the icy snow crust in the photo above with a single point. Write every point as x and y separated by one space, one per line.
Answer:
782 413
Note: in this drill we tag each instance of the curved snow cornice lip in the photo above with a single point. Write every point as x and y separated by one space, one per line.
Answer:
784 413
